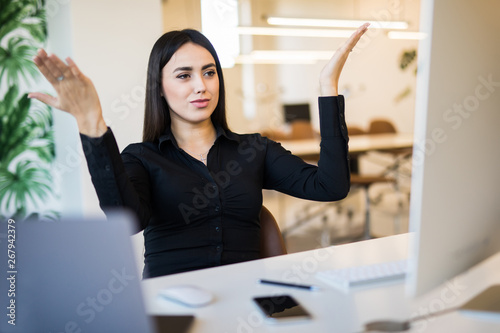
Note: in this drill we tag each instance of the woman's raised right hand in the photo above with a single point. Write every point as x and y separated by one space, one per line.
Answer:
76 93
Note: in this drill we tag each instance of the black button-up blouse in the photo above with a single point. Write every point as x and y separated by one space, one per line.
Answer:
196 216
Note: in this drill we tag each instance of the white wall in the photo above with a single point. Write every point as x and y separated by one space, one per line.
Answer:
110 41
68 163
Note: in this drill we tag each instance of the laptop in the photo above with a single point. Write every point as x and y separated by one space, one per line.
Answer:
76 275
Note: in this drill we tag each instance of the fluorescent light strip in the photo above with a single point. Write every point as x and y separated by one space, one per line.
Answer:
283 57
248 59
406 35
265 31
307 22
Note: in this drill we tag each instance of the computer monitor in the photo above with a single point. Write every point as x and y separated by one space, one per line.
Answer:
297 112
455 196
76 275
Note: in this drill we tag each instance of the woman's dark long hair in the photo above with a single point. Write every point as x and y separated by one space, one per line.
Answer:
157 115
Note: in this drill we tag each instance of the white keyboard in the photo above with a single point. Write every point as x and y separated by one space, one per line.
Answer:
346 278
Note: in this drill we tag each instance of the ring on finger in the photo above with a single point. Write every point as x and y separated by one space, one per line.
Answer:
60 78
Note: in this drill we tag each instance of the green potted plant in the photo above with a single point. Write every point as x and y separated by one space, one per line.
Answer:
407 60
27 150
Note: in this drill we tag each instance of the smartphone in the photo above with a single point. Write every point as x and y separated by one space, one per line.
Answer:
281 308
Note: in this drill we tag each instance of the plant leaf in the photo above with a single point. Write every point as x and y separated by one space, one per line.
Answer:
27 15
13 114
16 61
407 58
25 185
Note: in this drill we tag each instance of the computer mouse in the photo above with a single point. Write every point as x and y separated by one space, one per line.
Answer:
188 295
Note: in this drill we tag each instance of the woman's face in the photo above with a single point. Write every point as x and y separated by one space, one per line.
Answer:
191 84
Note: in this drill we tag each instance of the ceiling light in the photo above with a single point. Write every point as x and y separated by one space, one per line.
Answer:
283 57
248 59
406 35
330 23
294 32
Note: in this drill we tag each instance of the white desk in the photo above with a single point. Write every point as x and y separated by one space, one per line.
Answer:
333 311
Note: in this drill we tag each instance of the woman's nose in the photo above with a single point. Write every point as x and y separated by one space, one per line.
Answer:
199 85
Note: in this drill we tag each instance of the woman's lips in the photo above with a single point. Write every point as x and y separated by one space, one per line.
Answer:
201 103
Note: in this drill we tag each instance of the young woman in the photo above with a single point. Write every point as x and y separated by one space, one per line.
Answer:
195 186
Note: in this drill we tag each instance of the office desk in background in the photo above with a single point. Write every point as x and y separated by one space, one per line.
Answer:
358 144
333 311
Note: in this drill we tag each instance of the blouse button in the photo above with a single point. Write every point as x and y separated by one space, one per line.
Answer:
217 229
217 208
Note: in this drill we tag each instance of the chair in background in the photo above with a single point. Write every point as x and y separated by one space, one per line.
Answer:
383 126
378 126
364 182
271 240
395 167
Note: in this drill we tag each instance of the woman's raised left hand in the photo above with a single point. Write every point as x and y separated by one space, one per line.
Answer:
329 76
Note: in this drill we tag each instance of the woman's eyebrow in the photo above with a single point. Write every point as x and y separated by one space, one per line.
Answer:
181 69
188 68
208 66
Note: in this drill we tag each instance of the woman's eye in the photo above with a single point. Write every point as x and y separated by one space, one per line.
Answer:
210 73
183 76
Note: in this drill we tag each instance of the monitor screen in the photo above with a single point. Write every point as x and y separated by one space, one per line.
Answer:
454 208
297 112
